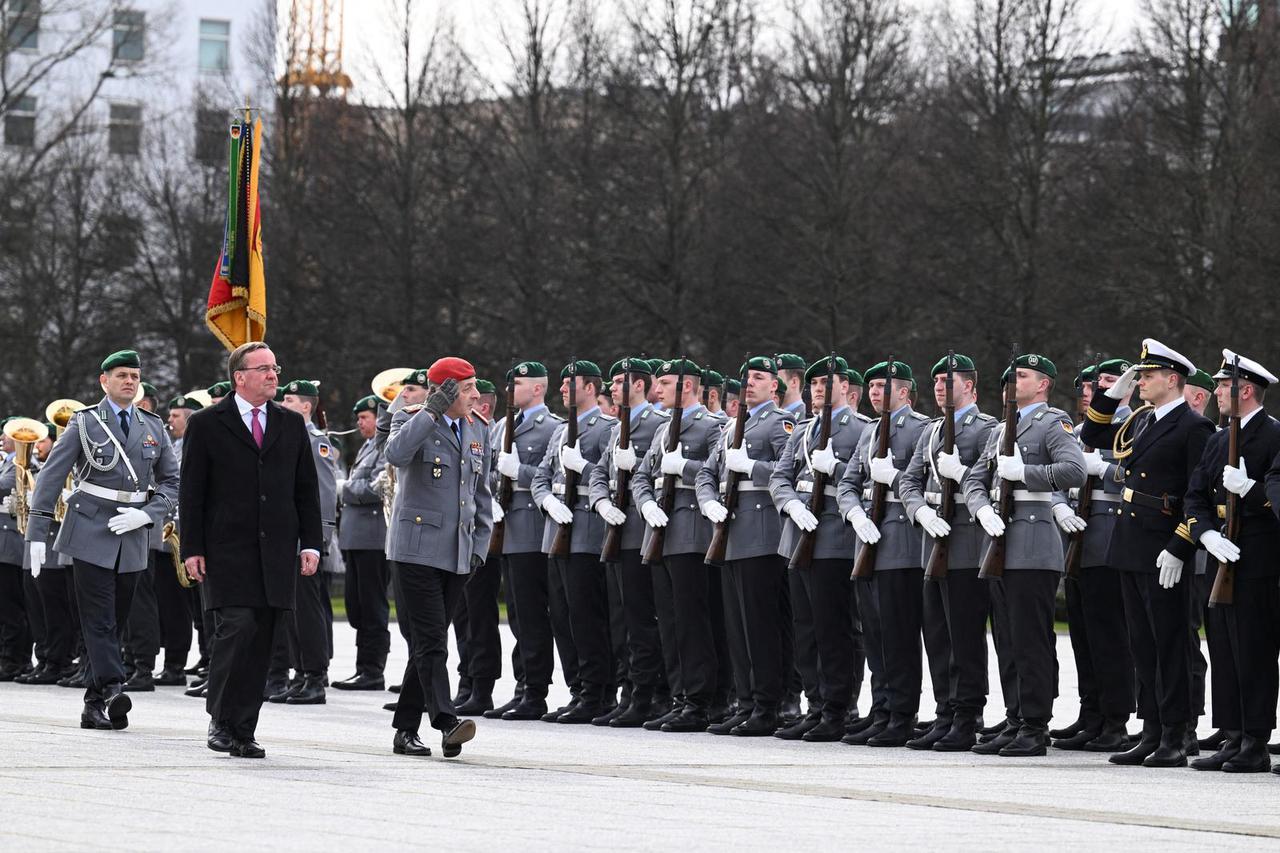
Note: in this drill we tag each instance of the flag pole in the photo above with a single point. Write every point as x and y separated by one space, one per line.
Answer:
248 321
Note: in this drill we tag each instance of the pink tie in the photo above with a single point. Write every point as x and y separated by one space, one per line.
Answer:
257 427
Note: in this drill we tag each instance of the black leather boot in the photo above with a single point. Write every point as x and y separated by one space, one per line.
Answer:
1171 751
1253 756
311 692
900 729
1147 744
1031 740
961 737
1114 737
829 729
805 724
1227 749
879 722
940 728
479 700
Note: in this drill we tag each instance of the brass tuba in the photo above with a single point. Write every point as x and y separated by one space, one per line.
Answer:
387 385
59 413
24 432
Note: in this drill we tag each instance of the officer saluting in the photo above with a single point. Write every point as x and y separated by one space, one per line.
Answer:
126 481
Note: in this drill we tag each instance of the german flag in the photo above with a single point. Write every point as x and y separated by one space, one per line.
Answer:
236 312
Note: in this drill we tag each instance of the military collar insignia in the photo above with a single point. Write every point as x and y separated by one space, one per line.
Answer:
591 420
1040 414
844 419
645 414
968 419
539 418
902 420
698 416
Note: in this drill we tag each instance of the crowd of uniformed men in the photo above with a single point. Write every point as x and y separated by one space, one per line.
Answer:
659 637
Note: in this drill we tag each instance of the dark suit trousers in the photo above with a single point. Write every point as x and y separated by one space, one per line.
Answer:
753 588
664 606
1029 596
104 597
1111 660
425 598
308 631
368 610
792 685
618 630
33 606
873 645
142 629
1081 652
899 604
462 637
644 642
966 603
1203 585
562 628
722 688
823 591
686 581
529 573
1244 640
175 617
61 625
1002 639
513 622
239 655
937 647
583 579
15 636
1158 620
804 637
484 640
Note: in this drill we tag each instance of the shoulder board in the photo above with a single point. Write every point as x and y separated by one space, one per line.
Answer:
1053 410
661 414
862 417
920 416
313 429
609 419
554 417
151 415
788 415
983 416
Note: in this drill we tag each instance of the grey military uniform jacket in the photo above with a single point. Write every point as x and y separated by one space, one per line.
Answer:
11 545
443 511
755 527
155 538
363 526
645 420
84 534
792 479
1054 463
687 531
326 456
920 486
1106 504
588 527
899 546
524 522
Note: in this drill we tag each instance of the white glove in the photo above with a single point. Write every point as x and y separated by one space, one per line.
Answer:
508 465
1220 547
673 461
498 514
1012 467
883 469
1170 569
555 508
801 515
950 466
127 518
6 503
610 513
824 460
624 458
990 522
931 522
653 514
379 483
1094 464
571 458
38 555
337 486
714 511
1124 385
863 526
736 459
1068 521
1237 479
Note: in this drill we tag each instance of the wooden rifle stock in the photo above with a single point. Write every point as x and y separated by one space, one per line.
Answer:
506 486
940 555
1223 593
667 501
802 556
993 561
564 533
720 534
865 563
612 548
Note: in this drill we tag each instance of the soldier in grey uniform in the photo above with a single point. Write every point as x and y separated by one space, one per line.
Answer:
754 575
439 534
580 572
890 601
1047 459
362 536
682 585
644 662
960 601
127 480
827 647
15 635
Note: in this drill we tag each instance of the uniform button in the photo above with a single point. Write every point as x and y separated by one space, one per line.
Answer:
1033 518
262 534
1133 515
417 519
757 506
462 503
264 498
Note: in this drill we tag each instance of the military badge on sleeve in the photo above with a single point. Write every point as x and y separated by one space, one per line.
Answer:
788 427
325 451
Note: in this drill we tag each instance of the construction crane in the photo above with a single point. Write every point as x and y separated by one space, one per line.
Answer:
315 48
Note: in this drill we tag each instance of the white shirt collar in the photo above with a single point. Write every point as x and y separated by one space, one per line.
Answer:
1161 411
245 407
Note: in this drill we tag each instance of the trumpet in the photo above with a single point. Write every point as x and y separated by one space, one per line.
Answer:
170 536
59 413
24 432
388 383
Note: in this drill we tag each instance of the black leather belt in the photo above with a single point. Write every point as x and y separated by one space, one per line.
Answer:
1164 503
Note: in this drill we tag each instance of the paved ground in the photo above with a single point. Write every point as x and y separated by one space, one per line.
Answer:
330 782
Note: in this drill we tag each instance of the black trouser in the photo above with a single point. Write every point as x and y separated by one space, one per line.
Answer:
425 598
175 616
822 592
1244 640
401 625
57 592
461 636
513 622
562 628
582 577
239 655
368 610
1028 597
142 628
792 685
873 644
966 603
899 604
104 597
1002 639
1203 585
753 589
805 638
308 630
644 643
859 646
484 639
729 605
1157 620
722 683
685 581
15 635
1110 658
529 589
937 647
33 606
664 606
617 631
1081 652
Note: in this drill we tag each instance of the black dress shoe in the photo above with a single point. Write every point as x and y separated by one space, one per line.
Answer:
633 716
9 672
1213 741
74 679
1227 751
1252 757
118 706
219 738
721 713
362 681
311 692
42 675
496 713
828 730
24 677
391 706
899 730
247 748
803 726
1077 741
656 723
552 716
452 740
857 724
727 725
292 689
1072 730
408 743
93 717
202 664
761 723
1272 748
688 720
988 732
878 724
584 713
1147 744
935 733
961 737
997 742
171 677
140 682
1170 752
1031 741
528 709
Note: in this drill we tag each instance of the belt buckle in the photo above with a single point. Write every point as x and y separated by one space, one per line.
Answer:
1127 495
124 497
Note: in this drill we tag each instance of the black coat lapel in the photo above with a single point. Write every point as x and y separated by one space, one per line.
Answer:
230 415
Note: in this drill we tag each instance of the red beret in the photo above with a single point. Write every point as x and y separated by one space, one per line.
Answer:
449 368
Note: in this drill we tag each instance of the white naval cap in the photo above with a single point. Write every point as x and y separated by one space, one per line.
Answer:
1157 356
1249 369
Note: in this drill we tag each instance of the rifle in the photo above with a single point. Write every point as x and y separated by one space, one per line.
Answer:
564 535
667 503
609 553
1223 593
1084 504
865 563
720 535
993 561
706 389
802 556
940 555
506 486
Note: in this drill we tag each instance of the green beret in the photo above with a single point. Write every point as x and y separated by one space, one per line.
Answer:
417 377
1087 375
673 368
818 370
654 364
1202 379
149 390
1114 366
279 397
366 404
581 367
855 378
301 388
763 363
1038 363
219 389
637 365
182 401
732 386
899 370
959 363
712 378
530 370
52 428
484 386
123 358
790 361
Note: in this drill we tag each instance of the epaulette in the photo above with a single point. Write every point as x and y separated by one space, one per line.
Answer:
151 414
983 416
920 416
554 417
862 417
786 413
313 429
657 413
